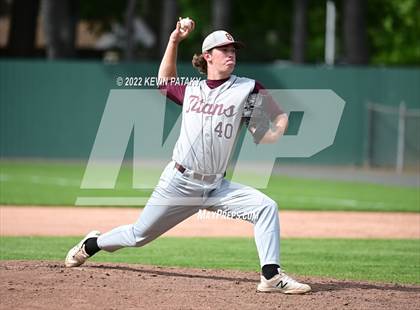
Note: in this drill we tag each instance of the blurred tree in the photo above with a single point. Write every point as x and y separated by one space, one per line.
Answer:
150 11
265 27
354 32
200 12
129 30
394 31
271 29
101 14
390 27
315 31
112 16
23 25
221 14
299 31
60 19
169 19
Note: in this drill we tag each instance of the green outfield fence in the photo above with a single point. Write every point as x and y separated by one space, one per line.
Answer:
53 109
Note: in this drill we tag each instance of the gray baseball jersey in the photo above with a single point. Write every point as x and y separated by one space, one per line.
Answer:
210 122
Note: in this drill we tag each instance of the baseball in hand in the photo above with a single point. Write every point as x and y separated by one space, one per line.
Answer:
186 23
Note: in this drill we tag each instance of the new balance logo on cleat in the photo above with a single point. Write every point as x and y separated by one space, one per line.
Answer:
282 283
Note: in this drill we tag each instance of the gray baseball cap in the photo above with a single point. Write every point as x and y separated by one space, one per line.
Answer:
219 38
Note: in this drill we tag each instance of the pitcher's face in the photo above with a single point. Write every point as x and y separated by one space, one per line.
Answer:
222 59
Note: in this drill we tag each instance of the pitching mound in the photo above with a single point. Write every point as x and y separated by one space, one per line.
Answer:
48 285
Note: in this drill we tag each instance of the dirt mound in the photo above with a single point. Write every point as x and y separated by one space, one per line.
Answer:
48 285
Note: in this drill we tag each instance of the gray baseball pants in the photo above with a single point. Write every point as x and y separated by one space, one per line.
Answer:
179 196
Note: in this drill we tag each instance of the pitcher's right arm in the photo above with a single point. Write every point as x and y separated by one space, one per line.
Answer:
167 68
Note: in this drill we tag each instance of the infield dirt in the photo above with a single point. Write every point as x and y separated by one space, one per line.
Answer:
48 285
77 221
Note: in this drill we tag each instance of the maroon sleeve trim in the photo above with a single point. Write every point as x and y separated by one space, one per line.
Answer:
175 92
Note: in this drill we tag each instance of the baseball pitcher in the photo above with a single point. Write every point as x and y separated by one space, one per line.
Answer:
213 112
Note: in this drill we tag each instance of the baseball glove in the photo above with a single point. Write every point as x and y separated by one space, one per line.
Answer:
256 119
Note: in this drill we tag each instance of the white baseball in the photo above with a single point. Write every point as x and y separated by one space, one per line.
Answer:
185 24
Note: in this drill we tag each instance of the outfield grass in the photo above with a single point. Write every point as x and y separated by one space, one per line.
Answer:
59 184
396 261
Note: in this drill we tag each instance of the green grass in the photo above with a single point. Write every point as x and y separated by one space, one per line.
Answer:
24 183
396 261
